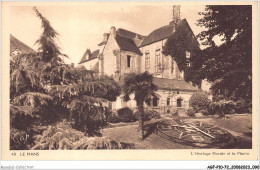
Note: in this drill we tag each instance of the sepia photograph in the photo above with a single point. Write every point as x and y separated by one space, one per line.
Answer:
130 76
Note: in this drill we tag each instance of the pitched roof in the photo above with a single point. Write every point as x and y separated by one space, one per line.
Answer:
94 55
127 44
90 56
160 34
129 34
173 84
164 83
137 38
17 44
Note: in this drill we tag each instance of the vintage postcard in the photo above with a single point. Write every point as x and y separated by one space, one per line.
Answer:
129 80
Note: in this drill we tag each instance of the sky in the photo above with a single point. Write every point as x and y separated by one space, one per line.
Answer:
81 26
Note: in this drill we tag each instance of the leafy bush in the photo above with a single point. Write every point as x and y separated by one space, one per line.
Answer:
148 115
152 114
145 116
199 100
243 106
63 136
126 115
113 118
222 107
204 111
191 112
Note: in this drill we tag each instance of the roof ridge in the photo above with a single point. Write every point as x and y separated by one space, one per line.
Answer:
160 33
131 32
162 27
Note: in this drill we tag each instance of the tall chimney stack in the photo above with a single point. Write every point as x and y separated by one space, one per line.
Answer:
113 31
176 14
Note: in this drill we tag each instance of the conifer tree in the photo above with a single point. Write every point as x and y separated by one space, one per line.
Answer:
43 89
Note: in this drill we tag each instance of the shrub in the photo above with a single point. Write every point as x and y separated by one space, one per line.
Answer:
126 115
148 115
145 116
63 136
191 112
199 101
222 107
204 111
243 106
113 118
152 114
108 112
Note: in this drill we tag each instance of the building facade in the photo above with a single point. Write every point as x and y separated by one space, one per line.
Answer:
122 52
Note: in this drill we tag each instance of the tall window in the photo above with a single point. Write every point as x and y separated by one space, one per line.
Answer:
158 60
172 66
168 101
179 102
147 60
128 61
155 101
187 53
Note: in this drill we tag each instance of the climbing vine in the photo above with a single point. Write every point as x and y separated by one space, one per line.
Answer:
178 44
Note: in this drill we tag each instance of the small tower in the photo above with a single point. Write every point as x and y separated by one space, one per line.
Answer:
176 14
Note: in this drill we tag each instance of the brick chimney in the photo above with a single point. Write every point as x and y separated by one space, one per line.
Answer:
176 14
113 31
105 37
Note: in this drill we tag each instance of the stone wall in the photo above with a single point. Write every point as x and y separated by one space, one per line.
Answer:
166 71
162 102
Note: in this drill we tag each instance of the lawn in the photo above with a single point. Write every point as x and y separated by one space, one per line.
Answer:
238 125
130 134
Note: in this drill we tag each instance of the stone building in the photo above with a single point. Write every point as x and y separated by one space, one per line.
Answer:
122 52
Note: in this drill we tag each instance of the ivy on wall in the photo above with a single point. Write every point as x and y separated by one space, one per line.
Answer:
176 46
